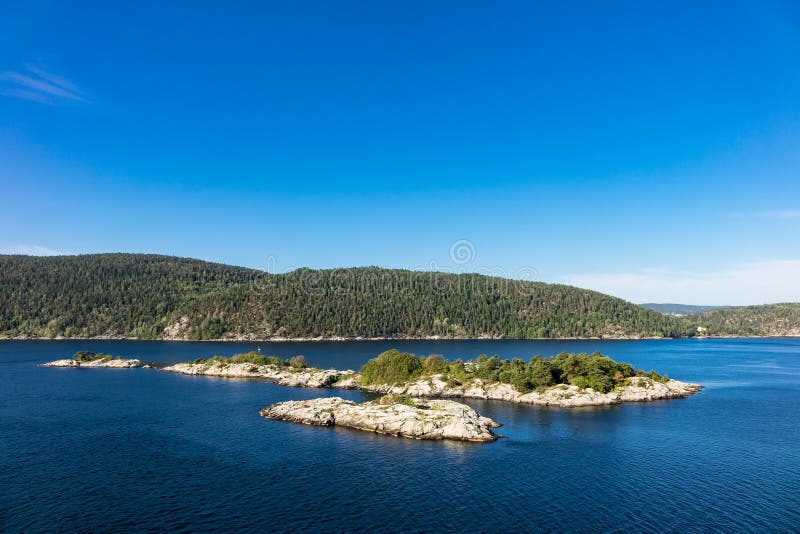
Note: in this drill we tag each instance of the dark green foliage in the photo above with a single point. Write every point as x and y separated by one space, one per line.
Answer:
373 302
256 358
209 328
298 362
107 294
595 371
86 356
134 295
435 363
767 320
391 367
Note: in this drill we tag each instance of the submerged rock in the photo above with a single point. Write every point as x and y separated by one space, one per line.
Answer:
411 418
116 363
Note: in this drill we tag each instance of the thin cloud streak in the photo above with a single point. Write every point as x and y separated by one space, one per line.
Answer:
27 95
55 79
40 86
762 282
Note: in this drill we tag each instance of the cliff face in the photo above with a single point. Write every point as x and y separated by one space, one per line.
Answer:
425 419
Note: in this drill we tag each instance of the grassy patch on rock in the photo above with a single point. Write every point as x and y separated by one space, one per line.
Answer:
393 398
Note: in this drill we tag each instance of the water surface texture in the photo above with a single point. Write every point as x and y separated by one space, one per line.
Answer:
139 449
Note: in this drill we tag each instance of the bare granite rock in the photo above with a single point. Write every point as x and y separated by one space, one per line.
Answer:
284 376
638 389
427 419
115 363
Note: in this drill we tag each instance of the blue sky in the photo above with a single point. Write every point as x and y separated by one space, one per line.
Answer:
649 151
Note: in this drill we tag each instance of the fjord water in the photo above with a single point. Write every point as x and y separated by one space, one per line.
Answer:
140 449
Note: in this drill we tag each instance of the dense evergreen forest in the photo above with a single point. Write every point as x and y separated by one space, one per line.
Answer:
149 296
103 294
766 320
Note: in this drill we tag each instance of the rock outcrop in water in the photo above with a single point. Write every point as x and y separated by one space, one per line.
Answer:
640 387
115 363
392 415
637 389
282 375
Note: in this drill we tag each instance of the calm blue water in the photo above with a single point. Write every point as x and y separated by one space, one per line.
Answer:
146 450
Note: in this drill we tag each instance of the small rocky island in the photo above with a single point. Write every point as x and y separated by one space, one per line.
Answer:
395 415
292 372
86 359
565 380
404 379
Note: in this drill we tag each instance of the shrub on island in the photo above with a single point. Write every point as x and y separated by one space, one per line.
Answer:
298 362
255 358
595 371
391 367
85 356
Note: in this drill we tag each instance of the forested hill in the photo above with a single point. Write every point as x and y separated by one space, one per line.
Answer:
104 294
149 296
766 320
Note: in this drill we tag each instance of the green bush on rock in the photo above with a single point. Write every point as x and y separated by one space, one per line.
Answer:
255 358
298 362
595 371
85 356
391 367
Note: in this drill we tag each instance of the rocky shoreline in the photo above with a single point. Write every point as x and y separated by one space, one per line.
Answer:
637 389
112 363
632 389
418 409
402 417
284 376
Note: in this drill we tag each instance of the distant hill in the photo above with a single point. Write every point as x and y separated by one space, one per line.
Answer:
766 320
150 296
678 310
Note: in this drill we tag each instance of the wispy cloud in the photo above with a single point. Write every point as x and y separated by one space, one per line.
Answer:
38 85
32 250
748 283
